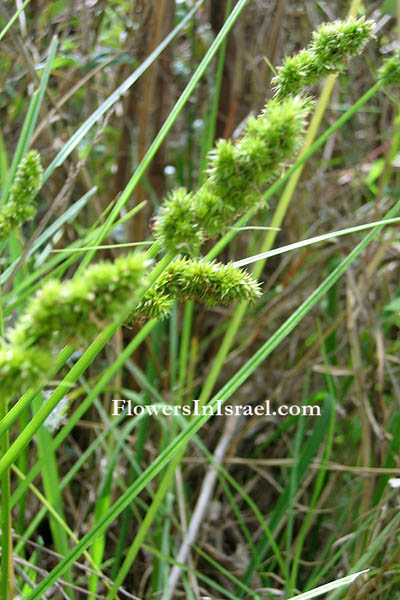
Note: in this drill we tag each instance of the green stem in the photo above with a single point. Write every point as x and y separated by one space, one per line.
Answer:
215 101
184 348
13 19
6 576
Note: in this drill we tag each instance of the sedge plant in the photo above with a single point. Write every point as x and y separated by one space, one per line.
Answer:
80 314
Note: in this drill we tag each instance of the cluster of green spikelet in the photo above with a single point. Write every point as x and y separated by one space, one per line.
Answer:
238 173
20 206
207 282
332 45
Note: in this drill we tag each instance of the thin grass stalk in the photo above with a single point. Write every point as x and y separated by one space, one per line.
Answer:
293 483
212 123
317 489
184 349
7 571
51 485
30 120
13 19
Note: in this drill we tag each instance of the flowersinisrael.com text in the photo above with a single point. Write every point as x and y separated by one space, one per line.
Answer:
265 409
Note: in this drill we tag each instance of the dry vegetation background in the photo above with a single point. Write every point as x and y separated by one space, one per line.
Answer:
347 346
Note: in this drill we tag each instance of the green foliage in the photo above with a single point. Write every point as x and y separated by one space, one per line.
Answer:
331 47
237 175
208 282
20 207
75 310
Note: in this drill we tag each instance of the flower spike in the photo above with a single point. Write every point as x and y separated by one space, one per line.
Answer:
237 176
207 282
20 207
331 47
74 311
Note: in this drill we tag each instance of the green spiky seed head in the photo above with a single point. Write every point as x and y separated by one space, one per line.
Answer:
176 224
20 207
75 311
389 73
237 176
209 283
331 47
21 368
28 178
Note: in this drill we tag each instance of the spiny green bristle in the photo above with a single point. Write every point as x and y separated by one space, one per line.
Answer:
20 207
75 310
177 225
331 47
21 368
199 280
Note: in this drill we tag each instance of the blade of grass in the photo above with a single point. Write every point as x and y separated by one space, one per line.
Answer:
328 587
103 500
308 242
30 119
7 572
13 19
51 486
